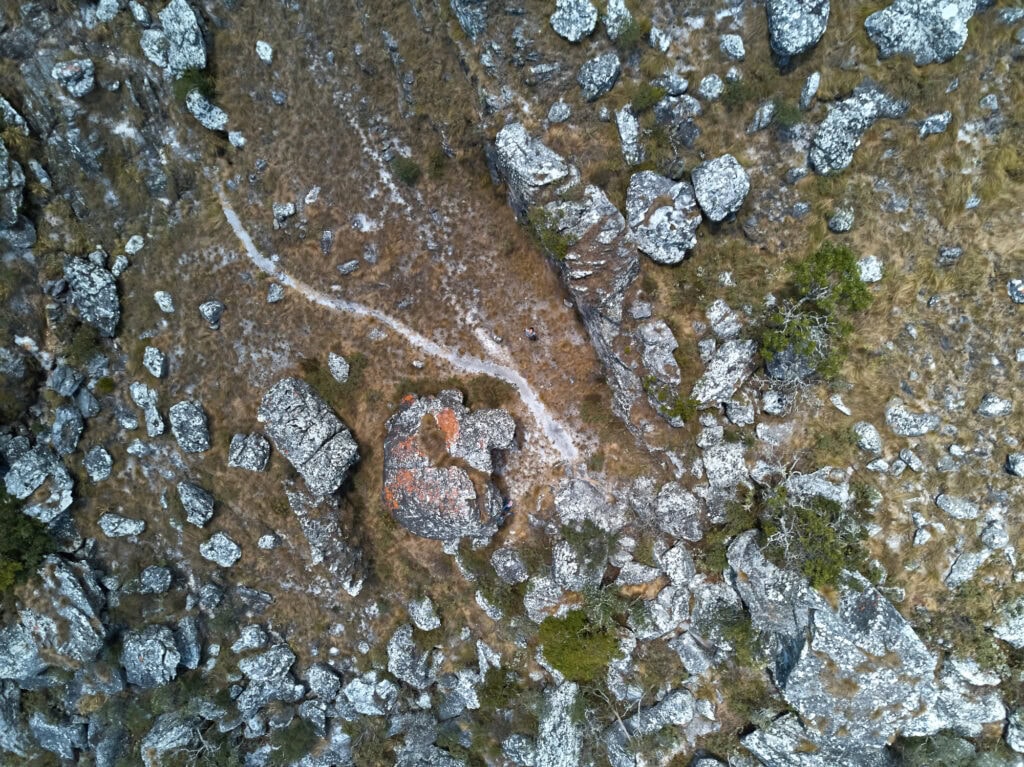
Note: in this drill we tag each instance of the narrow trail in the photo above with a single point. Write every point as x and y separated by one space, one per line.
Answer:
556 433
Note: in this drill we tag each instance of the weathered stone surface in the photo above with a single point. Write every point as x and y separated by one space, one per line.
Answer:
154 580
509 565
441 501
320 520
795 26
599 75
66 430
678 513
94 294
720 186
154 361
810 90
150 657
268 666
994 406
97 463
197 502
221 550
559 738
307 432
930 31
957 508
657 345
906 423
188 642
841 131
170 732
629 136
188 424
12 185
472 16
574 19
116 526
146 398
936 123
338 367
60 738
1015 464
732 47
19 654
423 614
323 681
77 77
29 471
249 451
185 48
407 662
726 370
868 437
724 465
209 115
663 216
212 311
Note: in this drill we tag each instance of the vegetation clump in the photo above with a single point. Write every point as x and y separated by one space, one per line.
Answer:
549 237
576 647
646 96
23 545
194 80
407 170
813 321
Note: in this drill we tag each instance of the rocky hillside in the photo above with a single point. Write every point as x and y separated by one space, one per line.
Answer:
520 383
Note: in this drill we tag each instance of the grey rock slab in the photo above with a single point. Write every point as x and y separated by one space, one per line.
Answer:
407 662
930 31
559 737
423 614
66 430
19 653
1015 290
188 424
94 294
677 512
841 221
146 398
840 133
629 135
150 657
936 123
711 87
197 502
795 26
154 580
170 732
527 165
726 370
994 406
1015 464
724 465
60 738
97 463
220 550
185 48
732 47
657 345
209 115
308 433
957 508
905 423
663 216
323 681
65 380
116 526
720 185
868 437
338 367
599 75
509 565
472 16
268 666
212 311
574 19
249 451
809 91
154 361
164 301
77 76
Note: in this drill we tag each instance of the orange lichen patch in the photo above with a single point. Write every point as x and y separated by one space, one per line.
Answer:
408 399
403 482
448 422
405 452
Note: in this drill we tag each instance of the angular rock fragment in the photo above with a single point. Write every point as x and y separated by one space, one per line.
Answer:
221 550
116 526
150 657
249 451
94 294
146 398
930 31
841 131
307 432
795 26
599 75
77 76
720 186
197 502
574 19
188 424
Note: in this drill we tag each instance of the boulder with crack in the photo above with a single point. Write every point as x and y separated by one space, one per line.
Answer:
438 467
329 551
307 432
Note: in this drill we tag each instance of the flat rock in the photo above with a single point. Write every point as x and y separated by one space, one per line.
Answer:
116 526
840 133
97 463
94 294
188 424
905 423
249 451
209 115
220 550
185 48
197 502
726 370
574 19
720 186
599 75
77 76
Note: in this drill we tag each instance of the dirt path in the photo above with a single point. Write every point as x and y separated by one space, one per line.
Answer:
554 430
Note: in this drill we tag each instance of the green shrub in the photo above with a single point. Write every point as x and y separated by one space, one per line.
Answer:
646 96
787 114
104 386
575 647
23 545
737 94
813 319
407 170
194 80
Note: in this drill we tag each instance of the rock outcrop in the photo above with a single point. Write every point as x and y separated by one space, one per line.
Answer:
663 216
306 431
931 31
796 26
438 466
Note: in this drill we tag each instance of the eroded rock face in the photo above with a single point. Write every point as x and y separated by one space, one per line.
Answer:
841 131
438 467
795 26
932 31
307 432
599 75
150 657
527 165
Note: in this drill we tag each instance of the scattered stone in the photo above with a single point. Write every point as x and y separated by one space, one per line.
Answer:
210 116
169 733
662 216
509 565
164 301
957 508
599 75
423 614
841 131
150 657
841 221
66 430
220 550
212 311
94 294
338 367
60 738
629 135
197 502
249 451
933 124
720 186
732 47
188 424
809 91
146 398
726 370
950 255
907 424
574 19
116 526
154 580
307 432
275 293
527 165
795 26
868 437
559 112
97 463
185 48
77 76
323 681
559 738
472 16
264 52
870 268
994 406
155 362
1015 464
711 87
932 31
1015 289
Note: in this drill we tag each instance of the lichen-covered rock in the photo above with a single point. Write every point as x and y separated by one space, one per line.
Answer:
795 26
574 19
599 75
66 430
220 550
197 502
19 654
677 512
154 580
212 311
932 31
407 662
559 738
629 135
422 489
60 738
94 294
320 520
185 48
994 406
957 508
868 437
268 666
150 657
307 432
12 186
472 16
97 463
170 732
509 565
116 526
188 424
906 423
338 367
323 681
77 76
145 397
209 115
657 346
663 216
249 451
841 131
154 361
721 186
29 471
731 363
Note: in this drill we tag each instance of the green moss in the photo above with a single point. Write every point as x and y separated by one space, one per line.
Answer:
577 648
23 545
104 386
635 32
407 170
787 114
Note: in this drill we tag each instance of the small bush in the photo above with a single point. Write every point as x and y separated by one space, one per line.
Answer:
787 114
737 94
23 545
550 239
646 96
104 386
633 34
576 648
194 80
407 170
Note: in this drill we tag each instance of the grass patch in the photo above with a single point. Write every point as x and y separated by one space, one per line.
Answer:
645 96
549 237
407 170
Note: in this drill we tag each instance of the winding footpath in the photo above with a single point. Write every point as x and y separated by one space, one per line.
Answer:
556 433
